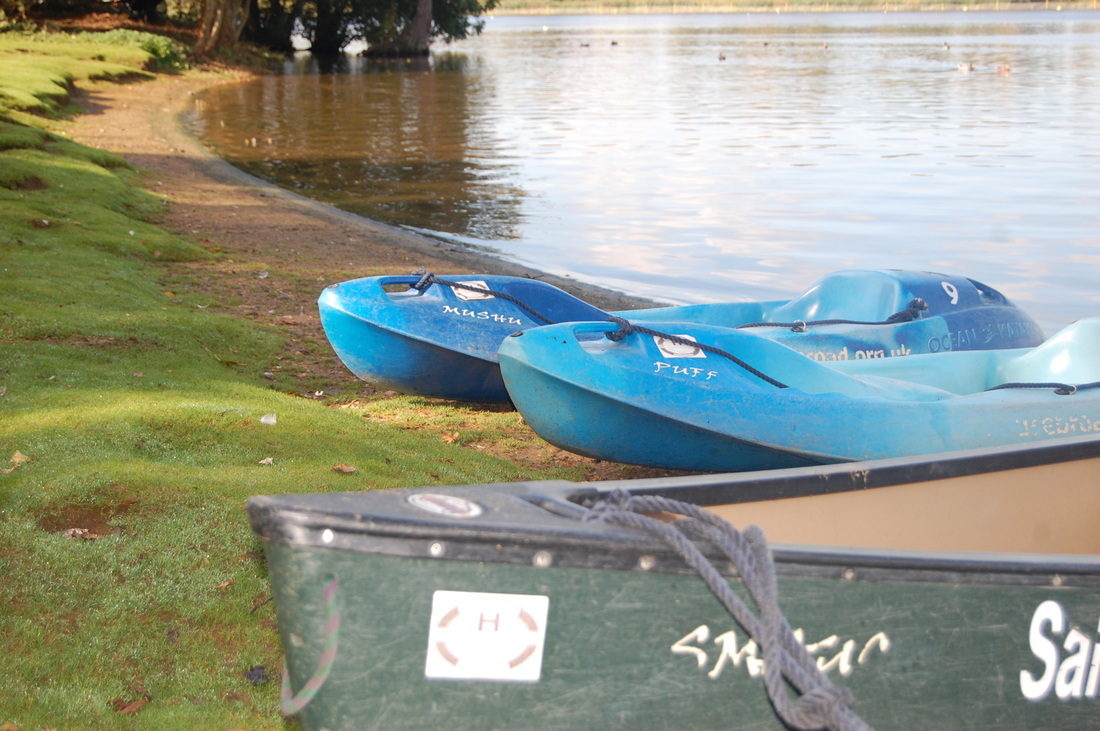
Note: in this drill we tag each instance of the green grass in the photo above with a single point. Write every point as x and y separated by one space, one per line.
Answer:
128 405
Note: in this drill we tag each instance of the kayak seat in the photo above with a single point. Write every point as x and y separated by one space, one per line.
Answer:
852 295
1071 356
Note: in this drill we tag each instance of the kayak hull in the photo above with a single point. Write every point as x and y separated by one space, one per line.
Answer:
636 401
441 339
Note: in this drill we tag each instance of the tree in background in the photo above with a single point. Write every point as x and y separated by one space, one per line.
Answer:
407 27
221 23
329 25
272 24
390 28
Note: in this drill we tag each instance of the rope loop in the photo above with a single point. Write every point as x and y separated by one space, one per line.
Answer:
425 280
625 328
911 312
787 664
1062 389
291 703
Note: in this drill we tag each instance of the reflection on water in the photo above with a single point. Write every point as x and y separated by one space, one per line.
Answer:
391 141
696 158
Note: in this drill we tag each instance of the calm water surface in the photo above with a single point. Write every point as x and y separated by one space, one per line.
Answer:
720 157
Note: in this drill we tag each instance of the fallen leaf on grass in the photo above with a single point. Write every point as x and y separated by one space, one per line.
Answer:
450 438
267 460
225 584
17 459
346 469
130 708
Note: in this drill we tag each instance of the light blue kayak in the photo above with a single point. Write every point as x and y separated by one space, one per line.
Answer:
439 336
697 397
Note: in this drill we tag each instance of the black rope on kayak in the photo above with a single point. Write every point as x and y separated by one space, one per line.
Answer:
819 704
626 328
427 279
911 312
1062 389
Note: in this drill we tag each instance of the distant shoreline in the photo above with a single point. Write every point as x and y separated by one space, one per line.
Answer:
778 7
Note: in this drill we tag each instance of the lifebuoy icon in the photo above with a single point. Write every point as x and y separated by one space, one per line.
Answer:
483 636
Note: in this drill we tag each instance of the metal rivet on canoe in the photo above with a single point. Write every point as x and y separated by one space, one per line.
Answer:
436 549
848 574
1056 581
543 559
645 563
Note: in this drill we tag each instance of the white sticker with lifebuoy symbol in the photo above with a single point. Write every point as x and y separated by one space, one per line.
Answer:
683 347
482 636
469 295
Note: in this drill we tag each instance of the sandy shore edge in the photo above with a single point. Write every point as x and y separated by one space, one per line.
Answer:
213 201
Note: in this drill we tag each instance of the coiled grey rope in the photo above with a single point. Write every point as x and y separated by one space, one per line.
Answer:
820 704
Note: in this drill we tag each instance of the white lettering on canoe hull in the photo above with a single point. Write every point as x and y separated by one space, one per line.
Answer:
1053 426
831 653
1070 666
481 315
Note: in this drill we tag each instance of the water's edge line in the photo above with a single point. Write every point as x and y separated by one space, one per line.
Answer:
223 171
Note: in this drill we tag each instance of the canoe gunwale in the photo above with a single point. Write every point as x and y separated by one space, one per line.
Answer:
540 523
744 487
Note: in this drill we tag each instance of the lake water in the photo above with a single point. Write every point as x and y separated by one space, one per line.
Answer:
695 158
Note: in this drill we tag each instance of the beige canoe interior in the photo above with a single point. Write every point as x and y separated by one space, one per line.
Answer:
1052 508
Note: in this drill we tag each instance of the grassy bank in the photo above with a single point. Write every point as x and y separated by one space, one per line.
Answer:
134 424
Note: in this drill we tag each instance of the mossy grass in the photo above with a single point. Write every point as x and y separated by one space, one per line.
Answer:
135 423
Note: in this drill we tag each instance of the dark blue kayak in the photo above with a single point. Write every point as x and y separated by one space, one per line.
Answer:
439 336
698 397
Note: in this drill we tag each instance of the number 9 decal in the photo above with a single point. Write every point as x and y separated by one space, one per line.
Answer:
952 292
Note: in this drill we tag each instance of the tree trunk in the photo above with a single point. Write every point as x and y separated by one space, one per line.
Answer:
418 34
220 25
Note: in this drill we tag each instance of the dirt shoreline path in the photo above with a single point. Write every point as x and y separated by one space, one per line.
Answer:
277 249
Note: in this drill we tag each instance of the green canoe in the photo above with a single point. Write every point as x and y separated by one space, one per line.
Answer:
550 605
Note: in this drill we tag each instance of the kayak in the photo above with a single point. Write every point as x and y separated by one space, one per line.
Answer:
436 336
697 397
958 590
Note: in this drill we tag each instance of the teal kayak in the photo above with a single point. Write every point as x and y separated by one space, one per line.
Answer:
438 336
697 397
